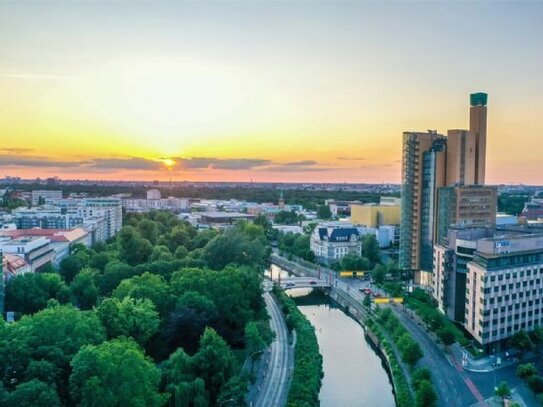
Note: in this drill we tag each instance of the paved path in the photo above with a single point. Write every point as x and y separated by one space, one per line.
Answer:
277 362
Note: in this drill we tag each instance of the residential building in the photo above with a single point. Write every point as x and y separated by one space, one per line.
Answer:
41 197
330 243
153 194
504 288
47 217
35 250
110 208
61 240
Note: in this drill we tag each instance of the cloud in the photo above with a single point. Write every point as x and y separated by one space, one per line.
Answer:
16 150
221 163
351 158
128 163
15 160
302 163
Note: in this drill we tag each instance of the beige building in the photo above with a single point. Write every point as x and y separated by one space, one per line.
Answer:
374 215
504 288
460 157
466 206
477 126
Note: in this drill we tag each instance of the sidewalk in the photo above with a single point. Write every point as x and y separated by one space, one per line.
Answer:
486 363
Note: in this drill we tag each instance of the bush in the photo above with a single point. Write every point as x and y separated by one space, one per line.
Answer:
526 370
535 383
307 375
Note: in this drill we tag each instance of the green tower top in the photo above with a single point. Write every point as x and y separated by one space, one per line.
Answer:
478 99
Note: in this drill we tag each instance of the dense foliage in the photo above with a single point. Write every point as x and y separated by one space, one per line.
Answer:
307 375
160 315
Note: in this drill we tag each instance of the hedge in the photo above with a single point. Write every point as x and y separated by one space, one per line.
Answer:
307 376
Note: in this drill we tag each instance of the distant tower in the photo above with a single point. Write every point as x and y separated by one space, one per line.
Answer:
281 200
477 126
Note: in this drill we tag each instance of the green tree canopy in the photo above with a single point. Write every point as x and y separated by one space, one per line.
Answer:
114 373
34 393
129 317
148 286
83 289
29 293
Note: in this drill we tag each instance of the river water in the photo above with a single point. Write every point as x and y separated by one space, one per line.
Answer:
354 374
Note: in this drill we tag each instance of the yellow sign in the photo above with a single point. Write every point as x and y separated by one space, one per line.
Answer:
351 274
386 300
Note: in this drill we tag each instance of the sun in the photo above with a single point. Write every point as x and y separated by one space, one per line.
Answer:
168 162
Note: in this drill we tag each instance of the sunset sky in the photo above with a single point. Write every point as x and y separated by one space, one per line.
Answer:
269 91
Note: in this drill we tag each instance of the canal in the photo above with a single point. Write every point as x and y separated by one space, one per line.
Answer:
354 375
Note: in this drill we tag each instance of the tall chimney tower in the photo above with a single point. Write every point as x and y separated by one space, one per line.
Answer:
477 126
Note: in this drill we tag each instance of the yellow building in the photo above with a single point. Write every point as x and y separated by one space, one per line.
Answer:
373 216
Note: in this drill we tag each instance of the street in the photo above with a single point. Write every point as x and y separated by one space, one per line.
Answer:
272 382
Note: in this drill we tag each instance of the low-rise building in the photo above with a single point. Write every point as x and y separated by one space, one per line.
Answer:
43 196
375 215
153 194
330 243
223 219
35 250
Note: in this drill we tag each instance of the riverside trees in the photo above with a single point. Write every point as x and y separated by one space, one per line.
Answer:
159 294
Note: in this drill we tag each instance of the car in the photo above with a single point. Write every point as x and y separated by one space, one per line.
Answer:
291 284
313 282
376 295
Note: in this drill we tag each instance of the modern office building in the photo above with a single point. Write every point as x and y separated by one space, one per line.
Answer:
504 288
442 186
465 206
451 256
42 197
423 171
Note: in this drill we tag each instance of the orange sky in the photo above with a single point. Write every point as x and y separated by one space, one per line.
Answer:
269 92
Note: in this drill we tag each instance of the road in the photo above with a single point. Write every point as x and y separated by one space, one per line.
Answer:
278 361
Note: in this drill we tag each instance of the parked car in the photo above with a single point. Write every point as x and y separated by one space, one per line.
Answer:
312 282
291 284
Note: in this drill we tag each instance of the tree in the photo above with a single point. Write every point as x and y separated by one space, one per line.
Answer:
148 286
526 370
323 212
503 390
536 337
132 247
114 373
34 393
148 230
161 253
29 293
521 341
367 302
446 335
410 350
370 249
186 324
114 273
129 317
286 218
69 267
378 274
83 289
535 383
99 261
253 340
425 395
214 362
353 262
420 375
53 335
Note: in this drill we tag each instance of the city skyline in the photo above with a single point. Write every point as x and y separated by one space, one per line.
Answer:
264 92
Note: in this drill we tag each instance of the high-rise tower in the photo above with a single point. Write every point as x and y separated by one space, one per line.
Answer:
477 126
423 171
